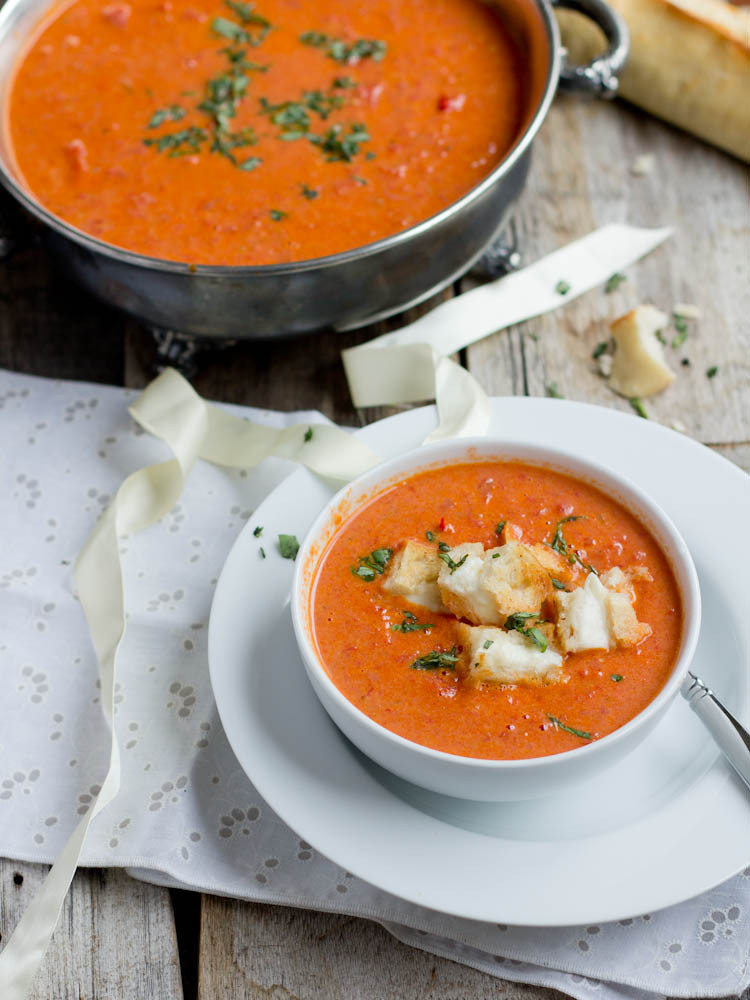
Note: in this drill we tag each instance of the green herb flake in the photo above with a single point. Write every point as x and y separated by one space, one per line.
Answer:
262 552
310 193
661 338
487 643
344 83
557 584
569 729
518 621
343 52
559 544
712 372
495 555
372 565
411 624
277 215
288 546
600 349
452 566
614 281
637 403
680 325
251 163
430 536
536 637
562 287
444 547
174 113
499 527
617 678
553 392
436 660
308 434
258 531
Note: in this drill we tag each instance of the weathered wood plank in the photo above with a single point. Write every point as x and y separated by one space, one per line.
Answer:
580 179
250 951
115 937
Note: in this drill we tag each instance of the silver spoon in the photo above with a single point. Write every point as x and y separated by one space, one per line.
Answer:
732 738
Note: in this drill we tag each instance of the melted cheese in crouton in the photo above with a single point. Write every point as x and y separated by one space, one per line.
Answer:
490 585
413 574
596 616
491 655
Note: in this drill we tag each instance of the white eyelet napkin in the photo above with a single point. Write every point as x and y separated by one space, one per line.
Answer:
186 814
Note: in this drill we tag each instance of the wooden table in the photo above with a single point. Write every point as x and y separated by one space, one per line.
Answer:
119 938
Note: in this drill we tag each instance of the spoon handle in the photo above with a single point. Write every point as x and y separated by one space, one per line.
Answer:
732 738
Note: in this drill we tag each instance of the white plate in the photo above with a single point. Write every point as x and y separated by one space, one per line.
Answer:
668 823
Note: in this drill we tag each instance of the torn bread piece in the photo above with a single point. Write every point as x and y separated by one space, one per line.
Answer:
556 565
488 586
460 586
638 366
623 580
595 617
413 574
491 655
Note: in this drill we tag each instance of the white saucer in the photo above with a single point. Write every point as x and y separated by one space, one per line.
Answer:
670 822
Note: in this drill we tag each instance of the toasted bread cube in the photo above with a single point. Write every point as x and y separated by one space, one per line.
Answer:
625 628
622 580
639 367
413 574
557 566
511 533
515 579
461 590
491 655
582 617
596 616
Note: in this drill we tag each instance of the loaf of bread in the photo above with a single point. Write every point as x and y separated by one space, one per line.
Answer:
689 64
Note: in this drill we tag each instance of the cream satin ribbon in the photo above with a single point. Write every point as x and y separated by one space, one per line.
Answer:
408 365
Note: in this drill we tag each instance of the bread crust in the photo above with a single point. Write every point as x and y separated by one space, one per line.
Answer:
689 64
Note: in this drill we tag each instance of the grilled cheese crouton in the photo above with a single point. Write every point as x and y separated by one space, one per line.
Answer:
491 655
639 367
486 587
596 617
413 574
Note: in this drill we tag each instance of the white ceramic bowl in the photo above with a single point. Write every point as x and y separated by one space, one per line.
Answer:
468 777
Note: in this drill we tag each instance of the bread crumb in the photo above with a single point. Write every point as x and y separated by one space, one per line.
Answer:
643 165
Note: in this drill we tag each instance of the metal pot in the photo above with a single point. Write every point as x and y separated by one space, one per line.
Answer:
344 290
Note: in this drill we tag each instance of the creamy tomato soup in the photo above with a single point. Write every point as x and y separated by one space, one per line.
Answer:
223 132
566 627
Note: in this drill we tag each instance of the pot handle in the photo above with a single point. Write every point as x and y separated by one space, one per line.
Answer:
600 77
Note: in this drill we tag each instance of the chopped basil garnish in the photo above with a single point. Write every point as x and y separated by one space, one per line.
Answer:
410 624
250 163
614 281
680 325
372 565
487 643
600 349
559 544
499 527
569 729
288 546
436 660
562 287
712 371
309 193
308 434
262 552
340 51
277 215
553 392
430 536
637 403
617 678
557 584
258 531
173 113
449 562
518 621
